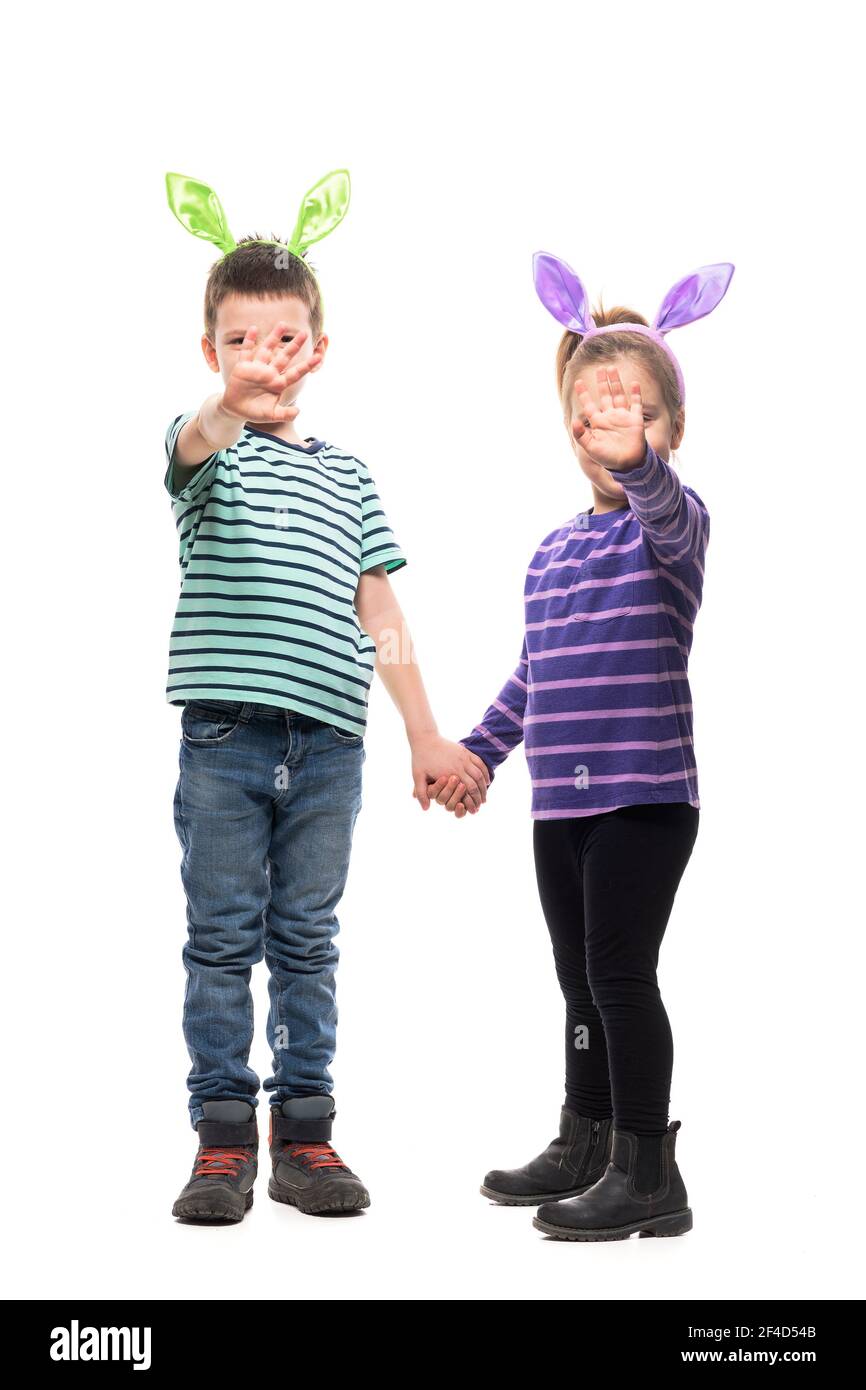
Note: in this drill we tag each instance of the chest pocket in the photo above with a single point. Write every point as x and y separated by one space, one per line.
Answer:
609 591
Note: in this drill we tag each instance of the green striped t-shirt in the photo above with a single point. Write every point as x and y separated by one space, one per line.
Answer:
273 539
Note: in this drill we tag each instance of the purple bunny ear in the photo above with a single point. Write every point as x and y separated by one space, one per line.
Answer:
561 291
694 296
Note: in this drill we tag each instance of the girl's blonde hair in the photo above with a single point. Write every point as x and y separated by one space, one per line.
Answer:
574 356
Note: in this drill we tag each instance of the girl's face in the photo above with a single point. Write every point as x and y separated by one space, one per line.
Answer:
662 433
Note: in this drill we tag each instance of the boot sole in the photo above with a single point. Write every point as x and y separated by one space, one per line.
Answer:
324 1205
509 1199
202 1210
674 1223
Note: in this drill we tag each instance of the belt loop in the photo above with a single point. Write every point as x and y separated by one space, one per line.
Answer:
246 712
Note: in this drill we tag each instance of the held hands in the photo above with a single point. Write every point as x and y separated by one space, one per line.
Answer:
612 432
437 763
451 793
263 372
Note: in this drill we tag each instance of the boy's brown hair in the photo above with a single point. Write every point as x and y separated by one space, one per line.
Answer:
573 356
257 268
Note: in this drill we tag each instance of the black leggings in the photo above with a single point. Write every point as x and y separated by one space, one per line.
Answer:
607 884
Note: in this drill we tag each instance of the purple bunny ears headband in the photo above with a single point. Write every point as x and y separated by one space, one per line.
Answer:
561 291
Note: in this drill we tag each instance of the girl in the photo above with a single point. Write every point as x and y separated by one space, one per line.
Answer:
601 699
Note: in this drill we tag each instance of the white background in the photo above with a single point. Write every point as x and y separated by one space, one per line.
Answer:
638 142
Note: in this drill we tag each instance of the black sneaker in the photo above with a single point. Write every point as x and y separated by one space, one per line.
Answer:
221 1185
306 1171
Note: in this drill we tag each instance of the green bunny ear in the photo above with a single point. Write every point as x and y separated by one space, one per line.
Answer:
322 209
197 207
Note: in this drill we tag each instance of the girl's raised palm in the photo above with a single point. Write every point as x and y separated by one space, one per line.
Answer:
263 372
612 432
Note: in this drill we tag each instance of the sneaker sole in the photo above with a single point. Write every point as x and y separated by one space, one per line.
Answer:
324 1205
201 1210
674 1223
509 1199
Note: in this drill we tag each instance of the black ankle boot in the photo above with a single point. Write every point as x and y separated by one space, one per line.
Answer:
221 1186
570 1164
641 1190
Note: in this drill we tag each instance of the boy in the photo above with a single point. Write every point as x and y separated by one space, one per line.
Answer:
285 605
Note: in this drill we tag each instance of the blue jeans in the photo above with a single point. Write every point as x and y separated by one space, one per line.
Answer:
265 807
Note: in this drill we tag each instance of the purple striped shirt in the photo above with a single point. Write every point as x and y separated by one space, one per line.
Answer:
600 696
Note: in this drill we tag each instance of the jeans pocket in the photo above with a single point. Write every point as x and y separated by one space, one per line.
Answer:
205 723
350 740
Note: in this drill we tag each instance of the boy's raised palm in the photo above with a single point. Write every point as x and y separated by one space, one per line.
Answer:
263 373
612 432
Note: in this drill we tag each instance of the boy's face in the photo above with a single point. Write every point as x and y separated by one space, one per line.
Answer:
238 312
661 432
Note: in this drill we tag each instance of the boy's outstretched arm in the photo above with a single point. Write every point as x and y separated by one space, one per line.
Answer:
433 757
209 431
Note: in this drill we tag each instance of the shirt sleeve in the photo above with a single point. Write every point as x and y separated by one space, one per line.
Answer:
501 729
202 478
674 520
378 546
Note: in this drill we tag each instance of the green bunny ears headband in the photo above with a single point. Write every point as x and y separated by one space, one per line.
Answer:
197 207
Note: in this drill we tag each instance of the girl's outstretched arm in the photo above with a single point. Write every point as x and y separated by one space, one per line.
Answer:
492 740
612 432
501 728
675 522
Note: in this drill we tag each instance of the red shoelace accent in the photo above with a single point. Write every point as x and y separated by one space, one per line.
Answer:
214 1159
314 1155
